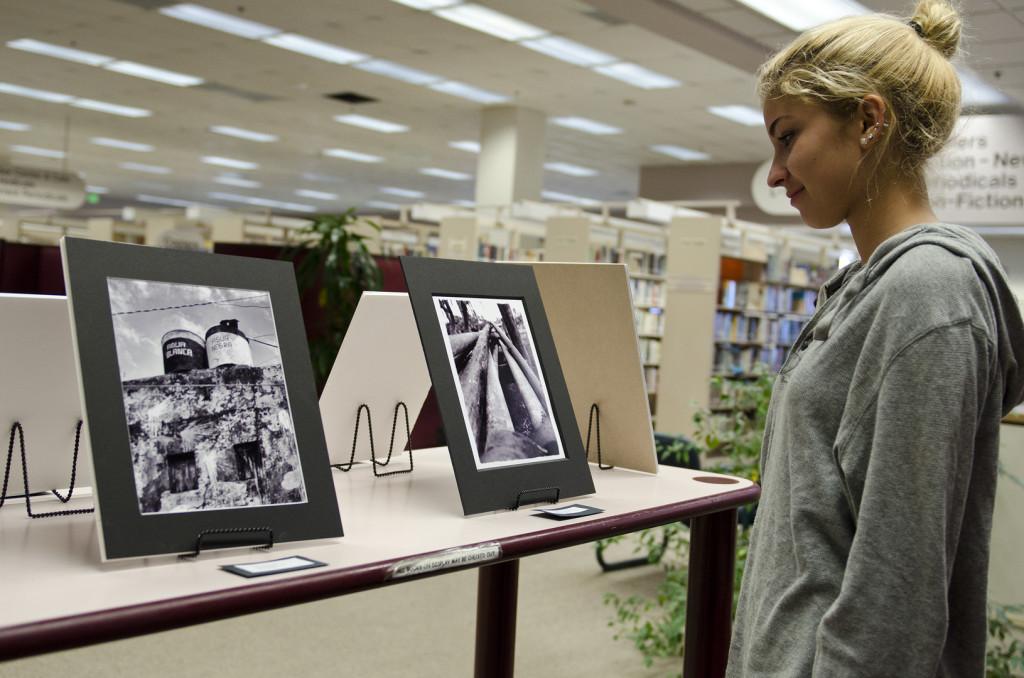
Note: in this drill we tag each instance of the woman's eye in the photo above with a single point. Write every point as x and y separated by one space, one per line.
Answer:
786 139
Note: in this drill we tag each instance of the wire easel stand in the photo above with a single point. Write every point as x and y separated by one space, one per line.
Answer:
347 466
16 427
595 410
261 545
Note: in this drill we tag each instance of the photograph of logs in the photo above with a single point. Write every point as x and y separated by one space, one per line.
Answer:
501 387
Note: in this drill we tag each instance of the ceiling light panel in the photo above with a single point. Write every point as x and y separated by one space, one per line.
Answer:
570 169
237 181
30 93
59 52
148 169
569 51
113 109
152 73
262 202
488 21
161 200
316 195
324 51
586 125
99 190
446 174
390 69
228 162
459 89
374 124
219 21
428 4
799 15
566 197
35 150
351 155
744 115
976 92
403 192
467 145
637 76
382 205
12 126
246 134
679 152
122 144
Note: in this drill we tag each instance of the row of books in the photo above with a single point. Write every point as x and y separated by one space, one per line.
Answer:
650 351
649 321
765 330
651 378
767 297
647 292
739 361
638 261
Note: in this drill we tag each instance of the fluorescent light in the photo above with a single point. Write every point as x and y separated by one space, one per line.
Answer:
466 145
488 21
565 197
799 15
568 50
374 124
428 4
148 169
236 181
219 21
114 109
744 115
571 170
638 76
14 126
976 92
35 150
390 69
460 89
243 133
446 174
679 152
351 155
97 189
464 203
404 192
380 204
315 176
314 48
160 200
40 94
262 202
229 162
118 143
153 73
46 49
586 125
316 195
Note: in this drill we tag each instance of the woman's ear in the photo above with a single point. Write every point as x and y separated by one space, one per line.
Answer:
872 119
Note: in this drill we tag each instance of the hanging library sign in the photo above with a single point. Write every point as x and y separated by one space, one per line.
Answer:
34 187
978 178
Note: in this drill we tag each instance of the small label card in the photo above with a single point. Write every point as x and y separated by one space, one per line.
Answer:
567 512
277 566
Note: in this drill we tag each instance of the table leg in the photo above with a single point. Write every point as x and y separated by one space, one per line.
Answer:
497 588
709 594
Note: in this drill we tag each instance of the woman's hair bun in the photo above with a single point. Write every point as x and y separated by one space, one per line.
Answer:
940 25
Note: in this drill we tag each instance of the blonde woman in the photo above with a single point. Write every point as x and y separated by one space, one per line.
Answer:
871 546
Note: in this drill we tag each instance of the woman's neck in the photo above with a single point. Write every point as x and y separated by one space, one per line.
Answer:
890 209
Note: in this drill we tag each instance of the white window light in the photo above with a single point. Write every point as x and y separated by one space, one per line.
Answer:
161 200
351 155
148 169
240 133
488 21
99 190
236 181
744 115
556 196
122 144
219 21
31 93
229 162
262 202
153 73
586 125
467 145
570 169
799 15
315 48
374 124
316 195
35 150
459 89
403 192
446 174
113 109
977 92
390 69
679 152
638 76
382 205
428 4
12 126
67 53
568 50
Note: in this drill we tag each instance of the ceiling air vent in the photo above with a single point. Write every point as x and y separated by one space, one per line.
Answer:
351 98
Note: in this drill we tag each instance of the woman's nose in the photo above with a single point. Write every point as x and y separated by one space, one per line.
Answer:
777 174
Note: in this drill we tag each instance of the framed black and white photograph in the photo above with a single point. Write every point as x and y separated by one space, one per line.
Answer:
199 395
509 422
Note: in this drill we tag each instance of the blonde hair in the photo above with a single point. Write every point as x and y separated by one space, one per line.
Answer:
906 62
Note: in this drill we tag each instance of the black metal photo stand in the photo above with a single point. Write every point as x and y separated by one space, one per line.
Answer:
540 490
264 544
347 466
595 410
16 427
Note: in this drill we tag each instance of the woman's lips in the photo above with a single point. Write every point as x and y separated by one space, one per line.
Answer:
793 196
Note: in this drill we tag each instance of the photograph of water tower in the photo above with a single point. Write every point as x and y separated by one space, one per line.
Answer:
501 388
209 423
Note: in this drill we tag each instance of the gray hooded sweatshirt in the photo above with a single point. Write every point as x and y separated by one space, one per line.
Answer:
869 555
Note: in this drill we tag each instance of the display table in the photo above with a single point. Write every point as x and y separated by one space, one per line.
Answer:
57 595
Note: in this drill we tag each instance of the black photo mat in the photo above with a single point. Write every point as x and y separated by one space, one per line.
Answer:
198 396
464 311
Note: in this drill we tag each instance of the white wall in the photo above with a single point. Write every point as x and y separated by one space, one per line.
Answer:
1011 254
